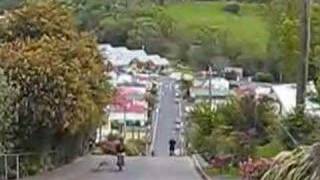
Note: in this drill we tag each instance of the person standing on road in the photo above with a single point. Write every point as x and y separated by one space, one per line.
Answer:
172 144
120 150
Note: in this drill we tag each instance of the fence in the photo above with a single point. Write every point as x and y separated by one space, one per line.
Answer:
19 165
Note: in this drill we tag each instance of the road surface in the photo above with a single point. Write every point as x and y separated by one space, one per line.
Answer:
138 168
160 167
167 115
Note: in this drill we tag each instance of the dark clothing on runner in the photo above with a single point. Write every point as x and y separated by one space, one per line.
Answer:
172 144
120 148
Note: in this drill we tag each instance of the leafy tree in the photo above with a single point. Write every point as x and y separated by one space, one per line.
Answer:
144 29
114 30
148 27
236 127
284 45
57 71
209 38
37 21
315 42
7 95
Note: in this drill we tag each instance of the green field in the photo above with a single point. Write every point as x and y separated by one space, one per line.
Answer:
247 29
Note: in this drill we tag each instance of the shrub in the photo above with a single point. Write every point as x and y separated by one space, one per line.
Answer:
270 150
263 77
135 147
303 129
232 7
301 163
254 169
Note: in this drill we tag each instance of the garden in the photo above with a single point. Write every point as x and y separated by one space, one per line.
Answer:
244 138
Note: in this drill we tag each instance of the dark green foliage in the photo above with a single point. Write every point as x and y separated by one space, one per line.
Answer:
7 95
284 45
235 128
304 129
232 7
263 77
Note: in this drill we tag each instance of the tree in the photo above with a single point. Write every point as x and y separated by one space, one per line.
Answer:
284 42
143 31
161 2
315 42
148 27
57 71
235 128
303 70
7 95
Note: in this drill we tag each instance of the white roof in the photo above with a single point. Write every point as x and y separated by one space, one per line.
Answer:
112 75
137 53
104 47
215 82
157 60
163 61
124 78
121 56
286 94
119 116
263 90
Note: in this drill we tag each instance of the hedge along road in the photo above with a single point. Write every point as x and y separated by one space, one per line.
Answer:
160 167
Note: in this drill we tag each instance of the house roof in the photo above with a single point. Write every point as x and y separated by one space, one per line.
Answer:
121 56
124 78
129 106
216 82
128 116
286 94
204 92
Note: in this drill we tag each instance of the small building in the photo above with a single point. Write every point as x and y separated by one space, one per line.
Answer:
286 96
233 73
220 90
121 57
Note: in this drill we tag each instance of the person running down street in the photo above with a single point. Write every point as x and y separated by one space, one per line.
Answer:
172 144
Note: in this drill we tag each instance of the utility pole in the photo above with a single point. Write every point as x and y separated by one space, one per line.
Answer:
210 85
305 48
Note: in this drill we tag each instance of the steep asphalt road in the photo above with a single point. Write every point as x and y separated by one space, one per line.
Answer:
138 168
167 115
161 167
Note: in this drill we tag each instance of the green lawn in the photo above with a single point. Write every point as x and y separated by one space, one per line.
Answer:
248 28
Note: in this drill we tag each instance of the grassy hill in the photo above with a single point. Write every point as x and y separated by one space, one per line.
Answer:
247 29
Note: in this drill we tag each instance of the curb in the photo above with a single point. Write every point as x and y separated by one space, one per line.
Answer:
199 169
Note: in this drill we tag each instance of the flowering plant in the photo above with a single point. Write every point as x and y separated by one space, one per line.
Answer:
254 169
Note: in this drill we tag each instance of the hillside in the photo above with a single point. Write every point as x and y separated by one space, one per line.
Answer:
248 28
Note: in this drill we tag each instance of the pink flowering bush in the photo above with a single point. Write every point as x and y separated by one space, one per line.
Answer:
254 169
